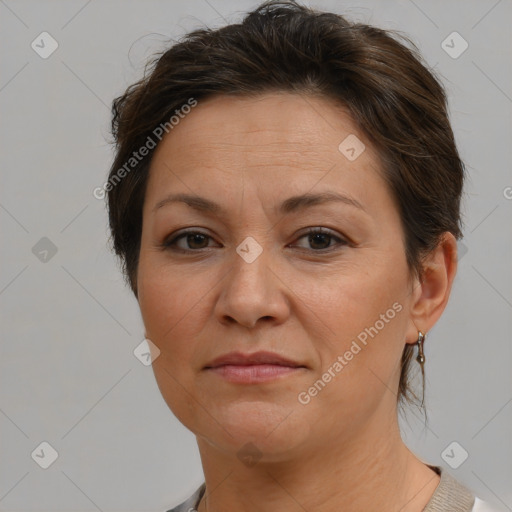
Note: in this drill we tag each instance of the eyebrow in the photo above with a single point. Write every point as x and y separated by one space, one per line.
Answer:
292 204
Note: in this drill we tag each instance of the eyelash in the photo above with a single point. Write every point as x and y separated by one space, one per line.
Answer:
170 244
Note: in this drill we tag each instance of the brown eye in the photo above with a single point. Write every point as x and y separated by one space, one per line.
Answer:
194 240
320 239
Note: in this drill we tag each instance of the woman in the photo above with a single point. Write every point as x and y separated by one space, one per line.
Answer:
312 162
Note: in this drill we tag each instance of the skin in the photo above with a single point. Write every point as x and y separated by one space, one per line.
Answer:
306 299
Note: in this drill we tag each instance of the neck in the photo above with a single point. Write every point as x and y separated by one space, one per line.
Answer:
370 470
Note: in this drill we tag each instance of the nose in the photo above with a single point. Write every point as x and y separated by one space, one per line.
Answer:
253 292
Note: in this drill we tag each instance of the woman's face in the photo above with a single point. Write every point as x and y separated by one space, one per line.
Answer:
252 279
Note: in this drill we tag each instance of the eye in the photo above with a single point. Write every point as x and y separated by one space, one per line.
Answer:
320 238
193 240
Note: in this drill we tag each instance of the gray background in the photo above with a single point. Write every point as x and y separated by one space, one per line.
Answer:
68 374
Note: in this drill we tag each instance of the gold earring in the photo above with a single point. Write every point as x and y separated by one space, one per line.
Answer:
421 356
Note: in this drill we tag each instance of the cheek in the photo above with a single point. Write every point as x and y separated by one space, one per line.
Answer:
360 367
170 319
175 305
351 301
163 301
365 313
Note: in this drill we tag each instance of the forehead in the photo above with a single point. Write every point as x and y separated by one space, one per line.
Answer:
274 139
272 122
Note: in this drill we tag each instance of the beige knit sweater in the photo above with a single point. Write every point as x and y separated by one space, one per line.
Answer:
449 496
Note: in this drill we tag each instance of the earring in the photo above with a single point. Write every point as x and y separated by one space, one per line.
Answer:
421 356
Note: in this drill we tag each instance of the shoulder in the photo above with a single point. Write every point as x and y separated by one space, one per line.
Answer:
484 506
190 504
452 495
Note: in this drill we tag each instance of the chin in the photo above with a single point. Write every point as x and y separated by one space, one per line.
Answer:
267 429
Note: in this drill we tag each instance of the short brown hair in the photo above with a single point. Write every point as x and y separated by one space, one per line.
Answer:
394 99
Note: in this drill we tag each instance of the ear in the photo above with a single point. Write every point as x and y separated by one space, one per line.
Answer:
431 294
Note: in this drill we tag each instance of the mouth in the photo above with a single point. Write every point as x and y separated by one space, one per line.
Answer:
253 368
254 373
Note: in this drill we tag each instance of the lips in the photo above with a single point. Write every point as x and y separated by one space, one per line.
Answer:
258 368
256 358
